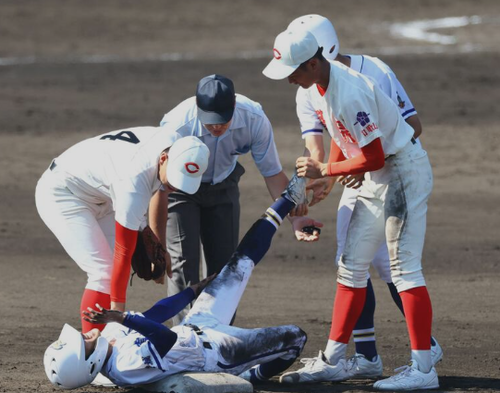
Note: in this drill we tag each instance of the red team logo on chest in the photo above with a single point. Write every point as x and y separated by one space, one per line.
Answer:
192 167
344 131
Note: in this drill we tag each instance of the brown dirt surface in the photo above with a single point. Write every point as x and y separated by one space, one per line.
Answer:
72 69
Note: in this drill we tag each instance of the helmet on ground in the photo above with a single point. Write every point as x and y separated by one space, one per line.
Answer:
65 363
323 31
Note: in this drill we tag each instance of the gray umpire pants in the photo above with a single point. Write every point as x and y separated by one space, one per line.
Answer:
211 215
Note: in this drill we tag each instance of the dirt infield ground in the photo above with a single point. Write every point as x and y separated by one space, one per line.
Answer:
73 69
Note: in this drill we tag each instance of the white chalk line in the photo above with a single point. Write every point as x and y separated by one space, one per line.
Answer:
415 30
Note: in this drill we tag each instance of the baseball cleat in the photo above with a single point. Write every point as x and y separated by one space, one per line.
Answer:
296 190
317 370
359 367
409 378
436 353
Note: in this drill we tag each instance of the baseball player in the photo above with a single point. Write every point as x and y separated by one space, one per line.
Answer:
369 136
230 125
94 197
365 363
137 348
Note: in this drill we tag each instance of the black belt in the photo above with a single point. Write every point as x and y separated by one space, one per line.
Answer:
414 141
52 165
199 332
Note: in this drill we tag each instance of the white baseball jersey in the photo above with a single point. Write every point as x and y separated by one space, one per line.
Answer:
355 111
136 361
119 166
250 131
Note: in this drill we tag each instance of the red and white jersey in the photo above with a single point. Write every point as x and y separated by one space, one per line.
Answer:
118 170
355 111
135 361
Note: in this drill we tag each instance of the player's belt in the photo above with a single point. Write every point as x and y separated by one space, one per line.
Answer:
199 332
413 141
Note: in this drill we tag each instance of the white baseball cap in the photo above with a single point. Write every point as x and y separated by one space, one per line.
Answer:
187 161
323 31
291 49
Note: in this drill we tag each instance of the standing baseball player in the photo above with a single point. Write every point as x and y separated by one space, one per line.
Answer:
230 125
365 363
94 197
368 136
137 348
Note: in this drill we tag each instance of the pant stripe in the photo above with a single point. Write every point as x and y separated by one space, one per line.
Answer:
284 350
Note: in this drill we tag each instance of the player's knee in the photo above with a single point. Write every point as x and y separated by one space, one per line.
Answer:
408 280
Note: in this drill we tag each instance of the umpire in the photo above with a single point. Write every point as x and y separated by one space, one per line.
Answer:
230 125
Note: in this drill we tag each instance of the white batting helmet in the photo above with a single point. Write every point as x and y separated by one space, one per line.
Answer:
65 363
323 31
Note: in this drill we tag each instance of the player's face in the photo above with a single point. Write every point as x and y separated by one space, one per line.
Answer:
303 76
217 129
90 339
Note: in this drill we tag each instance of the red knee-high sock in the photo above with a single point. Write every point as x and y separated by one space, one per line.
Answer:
347 308
89 299
418 312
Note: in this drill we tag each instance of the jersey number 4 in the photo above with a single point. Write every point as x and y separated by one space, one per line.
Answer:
126 136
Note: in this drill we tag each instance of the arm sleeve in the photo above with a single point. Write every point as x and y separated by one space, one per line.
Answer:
170 306
125 242
371 159
336 154
159 335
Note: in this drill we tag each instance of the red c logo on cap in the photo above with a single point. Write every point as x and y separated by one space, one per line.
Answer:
277 54
192 167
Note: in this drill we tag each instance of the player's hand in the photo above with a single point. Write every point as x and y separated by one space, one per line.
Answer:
352 181
102 315
309 167
299 210
320 188
298 225
199 287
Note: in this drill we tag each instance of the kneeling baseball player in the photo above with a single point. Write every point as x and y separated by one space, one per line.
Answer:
138 349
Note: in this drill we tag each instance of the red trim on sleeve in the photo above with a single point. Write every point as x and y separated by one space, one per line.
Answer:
372 158
125 242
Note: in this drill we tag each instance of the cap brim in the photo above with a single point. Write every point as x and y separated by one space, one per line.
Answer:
277 70
214 117
186 184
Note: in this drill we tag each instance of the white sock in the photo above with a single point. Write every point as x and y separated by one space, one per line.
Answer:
423 359
335 351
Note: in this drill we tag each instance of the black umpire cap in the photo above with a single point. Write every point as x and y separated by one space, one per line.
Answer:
215 98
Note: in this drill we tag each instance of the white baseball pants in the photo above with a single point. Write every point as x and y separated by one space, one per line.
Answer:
85 230
236 350
392 207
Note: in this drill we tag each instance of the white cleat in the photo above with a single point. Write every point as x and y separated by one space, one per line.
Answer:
317 370
409 378
359 367
436 353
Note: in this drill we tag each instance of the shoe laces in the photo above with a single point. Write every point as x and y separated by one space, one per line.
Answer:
352 362
309 362
403 371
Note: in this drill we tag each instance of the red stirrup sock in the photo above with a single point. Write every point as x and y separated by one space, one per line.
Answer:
89 299
347 308
418 312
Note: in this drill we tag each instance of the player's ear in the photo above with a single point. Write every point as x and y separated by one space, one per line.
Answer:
163 156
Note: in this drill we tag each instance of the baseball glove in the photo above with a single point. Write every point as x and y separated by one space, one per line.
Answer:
148 261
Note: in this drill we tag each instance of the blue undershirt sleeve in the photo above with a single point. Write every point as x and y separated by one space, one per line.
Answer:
159 335
170 306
